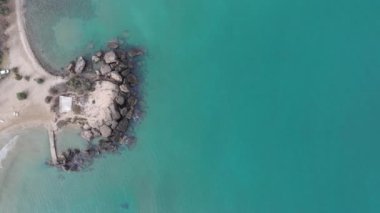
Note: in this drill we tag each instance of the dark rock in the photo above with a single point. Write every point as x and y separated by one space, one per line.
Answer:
96 132
79 65
132 101
135 52
119 131
130 113
132 79
99 54
124 111
130 65
86 127
125 73
107 145
114 66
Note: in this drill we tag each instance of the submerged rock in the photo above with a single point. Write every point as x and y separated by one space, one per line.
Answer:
113 44
87 135
132 79
135 52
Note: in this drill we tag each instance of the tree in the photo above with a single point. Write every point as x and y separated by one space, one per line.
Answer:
22 96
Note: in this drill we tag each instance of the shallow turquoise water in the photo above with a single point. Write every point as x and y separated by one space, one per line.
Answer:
252 106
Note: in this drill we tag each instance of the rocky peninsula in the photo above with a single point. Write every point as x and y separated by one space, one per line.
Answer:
100 95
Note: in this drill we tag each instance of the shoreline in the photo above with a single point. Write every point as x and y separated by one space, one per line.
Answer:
20 55
20 17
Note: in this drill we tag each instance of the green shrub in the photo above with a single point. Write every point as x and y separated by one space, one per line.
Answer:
4 11
18 77
15 70
53 90
77 109
79 84
40 80
48 99
22 96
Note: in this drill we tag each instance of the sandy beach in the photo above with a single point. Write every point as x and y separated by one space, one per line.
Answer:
15 113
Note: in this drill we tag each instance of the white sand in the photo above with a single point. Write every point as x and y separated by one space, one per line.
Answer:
33 110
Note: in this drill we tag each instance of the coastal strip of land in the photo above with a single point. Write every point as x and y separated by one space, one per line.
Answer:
31 111
99 95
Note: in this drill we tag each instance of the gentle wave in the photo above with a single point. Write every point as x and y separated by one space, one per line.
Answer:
8 147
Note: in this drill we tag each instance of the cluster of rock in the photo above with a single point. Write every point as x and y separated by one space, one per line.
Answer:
108 108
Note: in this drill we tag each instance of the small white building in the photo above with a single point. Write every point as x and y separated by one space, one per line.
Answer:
65 104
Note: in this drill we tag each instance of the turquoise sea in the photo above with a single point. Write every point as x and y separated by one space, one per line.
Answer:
252 106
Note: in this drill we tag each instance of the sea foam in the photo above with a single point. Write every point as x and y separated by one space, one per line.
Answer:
8 147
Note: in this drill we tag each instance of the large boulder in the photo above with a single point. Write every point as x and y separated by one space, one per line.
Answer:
87 135
115 115
124 88
114 124
79 65
105 69
110 57
96 132
116 77
120 100
124 111
105 131
86 127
